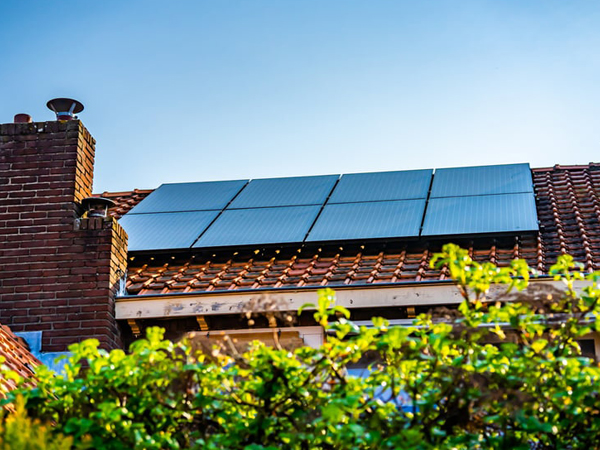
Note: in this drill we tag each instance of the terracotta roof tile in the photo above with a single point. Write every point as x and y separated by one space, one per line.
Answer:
568 206
125 201
18 357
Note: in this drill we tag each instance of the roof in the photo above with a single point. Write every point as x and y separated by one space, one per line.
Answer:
124 201
568 207
17 357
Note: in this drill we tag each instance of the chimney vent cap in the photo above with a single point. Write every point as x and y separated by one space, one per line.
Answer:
22 118
97 206
65 108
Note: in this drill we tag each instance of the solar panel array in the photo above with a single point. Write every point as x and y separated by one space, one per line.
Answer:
296 191
203 196
255 226
479 200
165 231
480 214
381 186
174 215
368 220
374 206
402 204
482 180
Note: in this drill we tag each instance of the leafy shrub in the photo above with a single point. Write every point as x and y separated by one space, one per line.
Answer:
498 375
18 431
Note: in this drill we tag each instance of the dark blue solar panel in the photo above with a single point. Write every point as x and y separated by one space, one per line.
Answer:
259 226
371 220
367 187
480 214
209 195
285 192
483 180
165 231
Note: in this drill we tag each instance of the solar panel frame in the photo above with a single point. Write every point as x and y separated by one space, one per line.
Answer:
259 226
482 180
480 214
382 186
180 197
165 231
291 191
368 220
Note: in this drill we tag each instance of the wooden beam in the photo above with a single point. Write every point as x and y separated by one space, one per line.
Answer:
213 303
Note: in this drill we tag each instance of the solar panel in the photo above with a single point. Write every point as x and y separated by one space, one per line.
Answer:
203 196
164 231
257 226
371 220
285 192
480 214
483 180
366 187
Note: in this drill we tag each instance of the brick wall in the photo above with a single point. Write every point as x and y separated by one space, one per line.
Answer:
58 273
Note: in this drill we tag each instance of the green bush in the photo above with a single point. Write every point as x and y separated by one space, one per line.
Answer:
497 375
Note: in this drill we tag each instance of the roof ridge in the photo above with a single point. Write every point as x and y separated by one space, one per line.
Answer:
567 167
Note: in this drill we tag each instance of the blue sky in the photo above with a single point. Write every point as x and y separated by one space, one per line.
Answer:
192 90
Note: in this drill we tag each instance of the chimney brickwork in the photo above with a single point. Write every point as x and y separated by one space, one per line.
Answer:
59 273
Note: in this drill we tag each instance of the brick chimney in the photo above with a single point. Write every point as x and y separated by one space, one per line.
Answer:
59 273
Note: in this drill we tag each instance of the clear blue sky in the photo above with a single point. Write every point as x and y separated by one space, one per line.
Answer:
196 90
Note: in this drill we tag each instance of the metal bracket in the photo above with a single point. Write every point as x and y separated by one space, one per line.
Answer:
202 322
135 327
